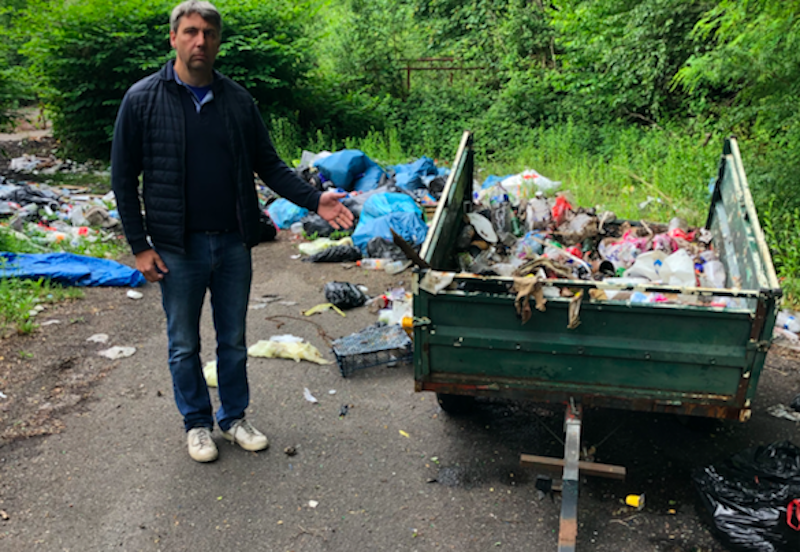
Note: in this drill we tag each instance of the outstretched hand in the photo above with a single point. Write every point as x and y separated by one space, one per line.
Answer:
332 210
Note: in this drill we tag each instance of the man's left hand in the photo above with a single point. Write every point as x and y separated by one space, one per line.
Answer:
333 211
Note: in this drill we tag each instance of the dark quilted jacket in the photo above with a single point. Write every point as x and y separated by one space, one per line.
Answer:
149 140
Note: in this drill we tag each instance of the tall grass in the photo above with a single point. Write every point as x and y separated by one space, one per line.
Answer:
653 174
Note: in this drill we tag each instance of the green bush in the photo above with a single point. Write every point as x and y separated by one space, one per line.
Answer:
95 50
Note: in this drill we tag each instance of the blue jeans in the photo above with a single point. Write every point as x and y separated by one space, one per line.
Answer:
222 264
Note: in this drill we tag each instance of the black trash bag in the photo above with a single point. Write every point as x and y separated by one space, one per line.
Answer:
313 224
344 295
335 254
311 175
747 497
436 186
379 248
266 228
796 403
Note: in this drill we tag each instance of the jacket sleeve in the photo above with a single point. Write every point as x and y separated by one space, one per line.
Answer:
276 174
126 166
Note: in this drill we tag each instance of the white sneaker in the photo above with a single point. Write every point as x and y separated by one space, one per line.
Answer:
201 446
246 436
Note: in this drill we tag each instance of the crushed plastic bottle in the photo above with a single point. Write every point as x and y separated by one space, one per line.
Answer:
712 272
788 321
538 214
678 269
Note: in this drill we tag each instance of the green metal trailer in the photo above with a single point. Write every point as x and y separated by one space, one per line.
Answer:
674 358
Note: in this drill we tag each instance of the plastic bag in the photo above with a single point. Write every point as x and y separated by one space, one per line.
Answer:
294 350
380 205
748 498
335 254
408 225
344 295
284 213
379 248
266 228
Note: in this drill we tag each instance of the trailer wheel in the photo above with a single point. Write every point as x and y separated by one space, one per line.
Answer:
456 405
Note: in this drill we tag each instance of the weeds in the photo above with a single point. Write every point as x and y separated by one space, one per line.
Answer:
18 298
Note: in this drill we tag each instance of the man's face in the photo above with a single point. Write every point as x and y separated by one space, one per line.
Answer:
196 42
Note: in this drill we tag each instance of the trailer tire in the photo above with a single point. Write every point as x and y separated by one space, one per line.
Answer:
456 405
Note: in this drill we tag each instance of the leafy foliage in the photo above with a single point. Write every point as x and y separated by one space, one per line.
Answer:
95 50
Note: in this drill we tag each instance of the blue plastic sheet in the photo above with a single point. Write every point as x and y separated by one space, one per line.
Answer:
380 205
284 213
69 269
408 225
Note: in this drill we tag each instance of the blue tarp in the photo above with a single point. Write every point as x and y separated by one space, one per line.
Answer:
409 176
284 213
409 225
351 170
380 205
69 269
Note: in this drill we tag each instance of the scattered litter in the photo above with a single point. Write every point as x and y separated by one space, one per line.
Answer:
749 498
313 503
335 254
3 395
783 411
295 257
635 501
290 451
257 306
4 515
314 247
134 294
98 338
404 434
331 391
372 346
50 322
115 353
434 281
308 396
296 351
286 338
343 410
287 303
210 373
322 307
344 295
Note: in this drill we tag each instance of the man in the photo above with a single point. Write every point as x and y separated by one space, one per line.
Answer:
196 137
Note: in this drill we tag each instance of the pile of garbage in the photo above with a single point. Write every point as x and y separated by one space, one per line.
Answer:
382 200
43 215
47 165
519 227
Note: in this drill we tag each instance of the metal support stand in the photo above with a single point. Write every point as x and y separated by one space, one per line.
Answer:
568 530
570 468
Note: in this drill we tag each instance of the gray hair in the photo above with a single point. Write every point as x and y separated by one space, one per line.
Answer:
206 10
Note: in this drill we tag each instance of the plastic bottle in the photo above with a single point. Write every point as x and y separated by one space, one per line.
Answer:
388 265
538 212
678 269
788 321
647 265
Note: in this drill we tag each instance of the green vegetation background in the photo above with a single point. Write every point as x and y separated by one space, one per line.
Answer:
618 99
